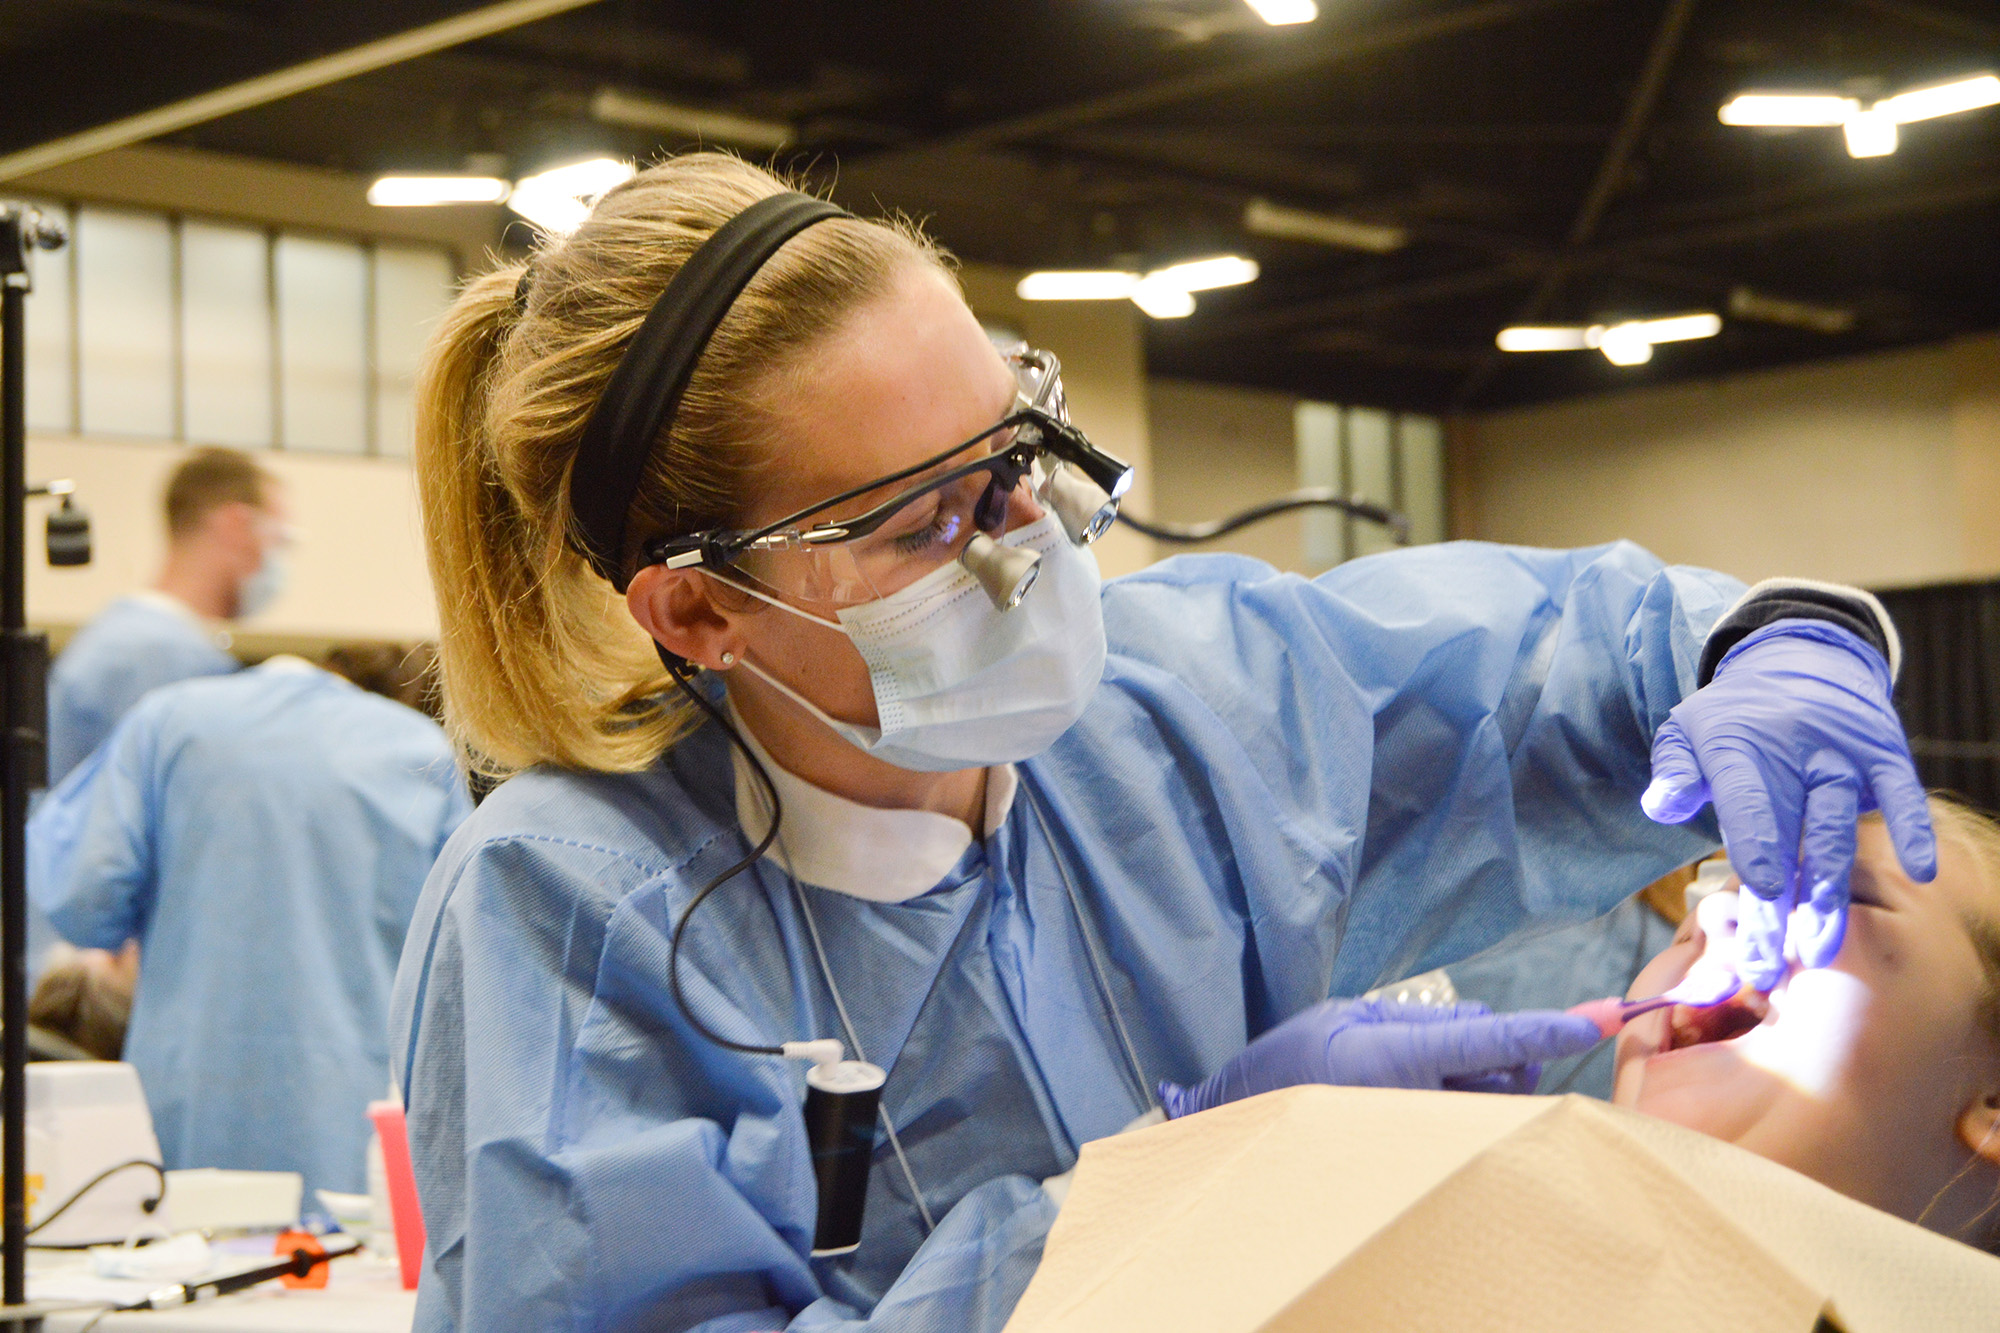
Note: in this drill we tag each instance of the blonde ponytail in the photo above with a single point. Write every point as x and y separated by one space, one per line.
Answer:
540 660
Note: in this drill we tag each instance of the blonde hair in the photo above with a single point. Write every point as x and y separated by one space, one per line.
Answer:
540 661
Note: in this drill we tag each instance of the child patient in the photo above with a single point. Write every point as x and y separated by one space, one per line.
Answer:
1878 1075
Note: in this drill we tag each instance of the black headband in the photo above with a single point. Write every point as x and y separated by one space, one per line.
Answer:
645 390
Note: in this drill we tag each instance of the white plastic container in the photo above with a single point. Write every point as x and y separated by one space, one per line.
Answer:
85 1116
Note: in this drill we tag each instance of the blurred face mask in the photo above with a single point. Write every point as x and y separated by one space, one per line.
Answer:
959 683
256 593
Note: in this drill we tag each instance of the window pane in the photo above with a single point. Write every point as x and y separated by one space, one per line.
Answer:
1370 473
125 318
412 287
226 334
51 374
1316 429
1420 450
322 342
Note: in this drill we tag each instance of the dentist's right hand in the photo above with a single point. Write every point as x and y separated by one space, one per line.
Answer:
1393 1044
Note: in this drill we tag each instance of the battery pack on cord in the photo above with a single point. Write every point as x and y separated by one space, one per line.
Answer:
842 1099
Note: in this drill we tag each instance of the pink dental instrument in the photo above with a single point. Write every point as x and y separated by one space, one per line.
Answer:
1710 982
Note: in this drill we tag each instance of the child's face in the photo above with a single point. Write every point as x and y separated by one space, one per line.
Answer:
1865 1074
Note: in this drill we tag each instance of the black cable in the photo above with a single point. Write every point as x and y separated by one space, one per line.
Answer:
683 676
147 1205
1311 497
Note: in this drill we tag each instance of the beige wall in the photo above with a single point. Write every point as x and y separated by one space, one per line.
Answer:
1881 470
1103 354
1217 450
356 573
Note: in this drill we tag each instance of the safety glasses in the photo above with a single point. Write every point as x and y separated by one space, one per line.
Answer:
951 506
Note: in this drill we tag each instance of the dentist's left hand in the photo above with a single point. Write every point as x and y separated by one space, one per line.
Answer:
1392 1044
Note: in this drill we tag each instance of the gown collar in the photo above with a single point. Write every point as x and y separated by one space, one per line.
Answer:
884 856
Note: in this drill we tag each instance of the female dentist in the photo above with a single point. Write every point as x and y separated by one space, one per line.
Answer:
1043 850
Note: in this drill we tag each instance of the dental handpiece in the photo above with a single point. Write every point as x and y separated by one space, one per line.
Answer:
1711 981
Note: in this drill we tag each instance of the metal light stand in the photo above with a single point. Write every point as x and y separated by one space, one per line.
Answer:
24 661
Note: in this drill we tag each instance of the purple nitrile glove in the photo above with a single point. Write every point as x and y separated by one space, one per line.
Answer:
1793 739
1392 1044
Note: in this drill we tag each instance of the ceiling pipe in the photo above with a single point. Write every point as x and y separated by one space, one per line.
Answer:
280 84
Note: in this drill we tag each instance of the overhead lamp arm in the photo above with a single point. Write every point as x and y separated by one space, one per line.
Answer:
1310 497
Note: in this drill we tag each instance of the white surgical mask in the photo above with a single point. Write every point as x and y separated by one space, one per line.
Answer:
265 583
960 684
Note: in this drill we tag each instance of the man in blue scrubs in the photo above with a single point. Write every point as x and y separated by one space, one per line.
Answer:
225 531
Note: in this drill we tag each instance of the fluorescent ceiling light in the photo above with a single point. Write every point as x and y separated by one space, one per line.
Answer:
1629 343
425 191
1201 275
1870 133
1162 299
1076 285
1165 293
1624 344
1528 338
1787 109
614 107
560 199
1279 13
1261 217
1944 100
1679 328
1749 303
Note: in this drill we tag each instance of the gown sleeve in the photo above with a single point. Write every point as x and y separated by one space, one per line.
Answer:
1482 715
90 843
583 1165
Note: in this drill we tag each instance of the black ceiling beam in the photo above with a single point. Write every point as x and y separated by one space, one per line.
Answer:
1279 64
1981 32
1611 178
1979 185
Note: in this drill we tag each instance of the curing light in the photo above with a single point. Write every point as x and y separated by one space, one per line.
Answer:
1870 131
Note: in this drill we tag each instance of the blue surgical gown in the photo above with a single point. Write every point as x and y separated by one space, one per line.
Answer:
1282 790
132 646
264 836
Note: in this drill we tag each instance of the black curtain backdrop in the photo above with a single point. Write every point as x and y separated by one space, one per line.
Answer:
1949 690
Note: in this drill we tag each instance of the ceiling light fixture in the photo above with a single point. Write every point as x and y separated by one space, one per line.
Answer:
1077 285
1870 131
1161 299
429 191
1261 217
636 110
1283 13
1164 293
1749 303
558 200
1627 343
1786 109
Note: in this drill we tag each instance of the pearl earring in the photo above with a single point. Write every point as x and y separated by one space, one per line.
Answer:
729 659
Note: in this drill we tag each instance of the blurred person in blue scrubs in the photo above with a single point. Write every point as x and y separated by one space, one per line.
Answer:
263 835
729 486
226 535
